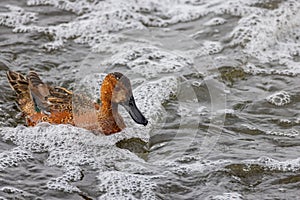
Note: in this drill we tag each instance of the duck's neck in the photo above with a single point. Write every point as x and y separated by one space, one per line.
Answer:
108 109
110 119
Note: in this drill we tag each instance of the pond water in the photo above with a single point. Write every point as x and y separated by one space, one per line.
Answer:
218 81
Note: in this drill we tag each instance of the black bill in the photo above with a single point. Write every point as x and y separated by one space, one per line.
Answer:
134 112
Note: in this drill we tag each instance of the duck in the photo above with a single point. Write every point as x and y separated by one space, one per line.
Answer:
40 102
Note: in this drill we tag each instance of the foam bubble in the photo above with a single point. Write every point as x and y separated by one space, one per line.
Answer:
8 189
226 196
68 147
286 121
148 60
17 16
279 98
287 133
215 21
188 165
115 184
14 193
251 68
96 19
273 164
207 48
14 157
161 89
77 7
268 35
62 183
71 147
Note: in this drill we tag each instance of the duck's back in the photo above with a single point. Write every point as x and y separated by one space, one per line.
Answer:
40 102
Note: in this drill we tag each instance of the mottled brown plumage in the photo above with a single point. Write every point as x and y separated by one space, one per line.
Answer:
42 103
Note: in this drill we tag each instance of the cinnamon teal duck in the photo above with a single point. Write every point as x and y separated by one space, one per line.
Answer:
40 102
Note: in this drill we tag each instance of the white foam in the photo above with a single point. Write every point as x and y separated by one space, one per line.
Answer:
291 165
287 133
16 17
14 193
268 35
62 183
265 34
70 147
149 61
97 19
183 166
152 94
280 98
8 189
215 21
206 48
14 157
78 7
226 196
119 185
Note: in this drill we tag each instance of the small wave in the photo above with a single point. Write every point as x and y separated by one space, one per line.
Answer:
292 165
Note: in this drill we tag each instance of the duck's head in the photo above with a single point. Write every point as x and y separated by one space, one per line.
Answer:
115 90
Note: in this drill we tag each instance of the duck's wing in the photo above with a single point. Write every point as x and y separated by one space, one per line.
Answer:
19 84
60 99
46 98
39 92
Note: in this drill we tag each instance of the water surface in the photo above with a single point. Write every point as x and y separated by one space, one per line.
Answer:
218 81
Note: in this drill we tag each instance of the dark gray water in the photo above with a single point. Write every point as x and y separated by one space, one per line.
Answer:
218 81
